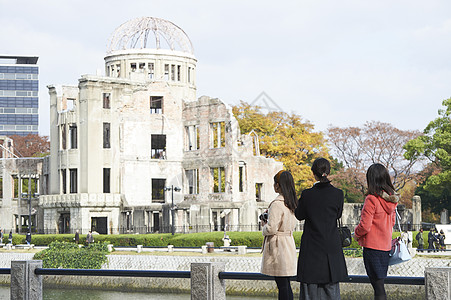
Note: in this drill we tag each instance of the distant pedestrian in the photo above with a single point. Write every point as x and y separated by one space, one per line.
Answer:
28 238
441 239
420 239
1 236
89 238
10 237
431 240
77 237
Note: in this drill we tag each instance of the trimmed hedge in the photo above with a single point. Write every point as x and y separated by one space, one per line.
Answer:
70 256
251 239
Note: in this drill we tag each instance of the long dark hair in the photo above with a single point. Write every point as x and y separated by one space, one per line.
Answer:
286 184
379 180
321 168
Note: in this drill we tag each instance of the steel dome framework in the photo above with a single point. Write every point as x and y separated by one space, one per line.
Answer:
150 33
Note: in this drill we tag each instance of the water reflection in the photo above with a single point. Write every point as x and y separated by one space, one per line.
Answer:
77 294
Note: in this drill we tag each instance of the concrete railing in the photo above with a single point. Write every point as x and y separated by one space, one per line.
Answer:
207 279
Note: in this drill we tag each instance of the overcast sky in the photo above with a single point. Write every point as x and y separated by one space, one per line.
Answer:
332 62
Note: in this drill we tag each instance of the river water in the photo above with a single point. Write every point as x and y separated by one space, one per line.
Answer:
70 294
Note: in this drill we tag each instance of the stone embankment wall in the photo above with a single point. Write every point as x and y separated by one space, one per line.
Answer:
414 267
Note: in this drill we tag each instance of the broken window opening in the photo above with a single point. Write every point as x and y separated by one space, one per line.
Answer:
173 72
73 180
179 68
15 192
106 180
158 146
63 181
218 134
193 181
34 186
106 100
158 190
141 67
133 67
151 69
166 72
63 136
241 177
118 70
255 145
1 187
192 138
218 180
73 136
106 136
155 221
189 74
70 104
156 104
215 220
258 191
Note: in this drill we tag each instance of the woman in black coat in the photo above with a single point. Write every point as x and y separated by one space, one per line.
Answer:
321 263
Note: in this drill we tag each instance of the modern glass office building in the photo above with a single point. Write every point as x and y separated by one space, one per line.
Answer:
19 100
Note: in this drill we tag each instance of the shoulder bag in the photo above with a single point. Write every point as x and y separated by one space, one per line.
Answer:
399 252
345 234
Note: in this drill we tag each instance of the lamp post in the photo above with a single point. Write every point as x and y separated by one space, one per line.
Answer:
29 195
172 189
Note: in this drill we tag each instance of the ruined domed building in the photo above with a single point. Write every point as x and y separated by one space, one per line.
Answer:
136 151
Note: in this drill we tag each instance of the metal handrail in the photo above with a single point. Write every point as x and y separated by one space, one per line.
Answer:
118 273
349 279
5 270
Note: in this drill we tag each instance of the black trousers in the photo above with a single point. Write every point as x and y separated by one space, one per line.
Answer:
284 286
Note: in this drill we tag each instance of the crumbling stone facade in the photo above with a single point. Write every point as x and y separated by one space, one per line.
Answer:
20 186
134 151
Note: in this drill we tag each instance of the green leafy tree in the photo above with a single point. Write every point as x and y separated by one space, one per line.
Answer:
435 145
286 138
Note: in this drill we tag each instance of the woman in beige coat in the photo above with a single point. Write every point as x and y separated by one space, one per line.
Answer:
279 250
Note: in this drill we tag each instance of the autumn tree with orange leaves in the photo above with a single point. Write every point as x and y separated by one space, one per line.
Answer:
286 138
376 142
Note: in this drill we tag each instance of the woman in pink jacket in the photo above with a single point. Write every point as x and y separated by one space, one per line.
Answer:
374 232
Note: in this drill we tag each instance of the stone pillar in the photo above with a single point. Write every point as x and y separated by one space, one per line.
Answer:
416 212
438 283
242 250
205 282
139 248
25 284
444 216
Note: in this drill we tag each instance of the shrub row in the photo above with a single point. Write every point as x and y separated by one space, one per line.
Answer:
70 256
250 239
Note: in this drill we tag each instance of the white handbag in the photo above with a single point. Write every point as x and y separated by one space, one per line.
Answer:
399 252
